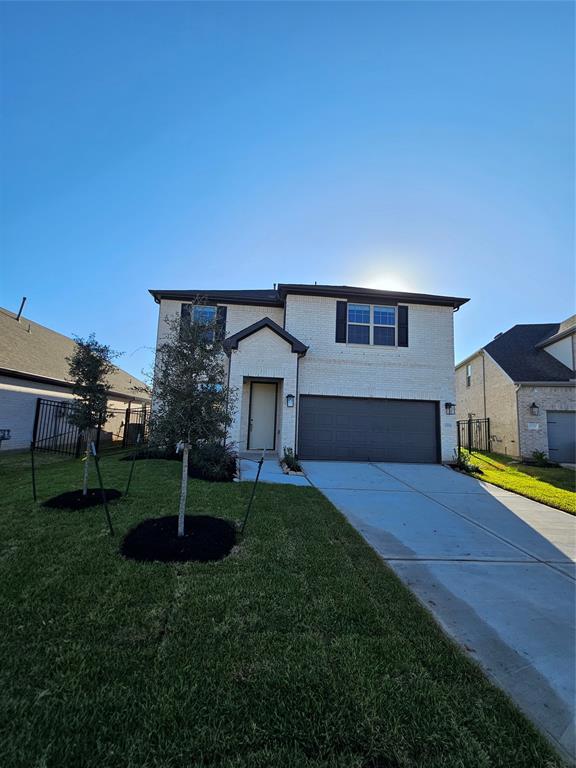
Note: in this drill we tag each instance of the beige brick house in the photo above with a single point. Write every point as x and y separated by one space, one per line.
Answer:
335 372
524 382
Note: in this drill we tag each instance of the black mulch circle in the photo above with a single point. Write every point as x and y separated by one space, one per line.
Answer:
205 538
76 499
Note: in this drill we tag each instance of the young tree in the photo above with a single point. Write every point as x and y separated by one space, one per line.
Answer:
89 368
192 403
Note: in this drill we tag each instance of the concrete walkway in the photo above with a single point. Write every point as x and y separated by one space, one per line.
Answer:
271 472
496 569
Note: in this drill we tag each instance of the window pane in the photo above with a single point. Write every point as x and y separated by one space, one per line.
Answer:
204 314
385 336
384 316
358 313
359 334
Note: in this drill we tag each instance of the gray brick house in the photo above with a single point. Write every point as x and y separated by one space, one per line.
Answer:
524 381
334 372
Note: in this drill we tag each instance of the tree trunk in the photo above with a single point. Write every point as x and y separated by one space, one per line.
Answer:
183 490
86 463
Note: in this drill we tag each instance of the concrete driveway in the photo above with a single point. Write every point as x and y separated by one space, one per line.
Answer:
496 569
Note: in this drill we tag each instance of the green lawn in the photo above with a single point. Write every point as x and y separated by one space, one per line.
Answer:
554 486
300 649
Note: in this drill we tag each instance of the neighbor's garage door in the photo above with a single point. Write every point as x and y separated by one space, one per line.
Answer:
368 429
562 436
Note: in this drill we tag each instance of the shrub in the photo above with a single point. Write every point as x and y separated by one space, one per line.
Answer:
540 459
153 452
216 462
291 461
464 464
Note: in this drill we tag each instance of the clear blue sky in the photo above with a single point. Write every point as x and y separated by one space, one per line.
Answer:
420 146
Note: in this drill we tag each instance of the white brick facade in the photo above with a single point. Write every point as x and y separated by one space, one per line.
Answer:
263 356
422 371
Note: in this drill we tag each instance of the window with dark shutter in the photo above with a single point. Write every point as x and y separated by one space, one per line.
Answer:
402 325
341 321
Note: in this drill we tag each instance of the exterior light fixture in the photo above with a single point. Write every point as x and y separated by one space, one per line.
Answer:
534 409
290 400
450 409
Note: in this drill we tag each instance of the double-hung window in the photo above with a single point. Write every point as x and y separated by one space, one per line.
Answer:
358 323
371 324
205 316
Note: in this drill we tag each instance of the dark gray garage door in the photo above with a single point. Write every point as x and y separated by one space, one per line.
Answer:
368 429
562 436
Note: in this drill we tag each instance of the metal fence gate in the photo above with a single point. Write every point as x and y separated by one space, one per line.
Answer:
474 434
117 428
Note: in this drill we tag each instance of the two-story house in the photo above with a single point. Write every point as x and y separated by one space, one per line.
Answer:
334 372
524 382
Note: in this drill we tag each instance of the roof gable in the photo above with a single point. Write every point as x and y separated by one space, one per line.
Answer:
517 352
232 341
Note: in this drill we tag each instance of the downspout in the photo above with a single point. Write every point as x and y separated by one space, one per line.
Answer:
297 405
484 381
229 356
517 389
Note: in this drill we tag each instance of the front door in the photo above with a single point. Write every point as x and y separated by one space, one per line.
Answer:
262 426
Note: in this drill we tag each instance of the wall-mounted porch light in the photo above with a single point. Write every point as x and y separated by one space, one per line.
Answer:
450 409
534 409
290 400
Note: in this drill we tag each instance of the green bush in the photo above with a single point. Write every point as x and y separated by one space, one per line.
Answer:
291 461
464 464
540 459
216 462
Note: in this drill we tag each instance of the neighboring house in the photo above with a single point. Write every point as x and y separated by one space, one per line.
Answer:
524 381
33 365
335 372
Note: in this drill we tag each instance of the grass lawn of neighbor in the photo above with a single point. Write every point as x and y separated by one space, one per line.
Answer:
555 486
299 649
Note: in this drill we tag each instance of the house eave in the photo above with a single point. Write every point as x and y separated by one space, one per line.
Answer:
355 294
213 296
557 337
39 379
570 383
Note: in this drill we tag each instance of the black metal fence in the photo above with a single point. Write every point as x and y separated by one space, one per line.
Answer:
118 428
474 434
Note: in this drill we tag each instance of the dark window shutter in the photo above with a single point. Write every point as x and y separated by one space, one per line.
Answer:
341 321
185 316
402 326
221 322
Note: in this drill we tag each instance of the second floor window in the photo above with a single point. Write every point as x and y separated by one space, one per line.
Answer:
371 324
468 375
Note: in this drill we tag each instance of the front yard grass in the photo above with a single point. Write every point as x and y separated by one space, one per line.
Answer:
555 486
301 649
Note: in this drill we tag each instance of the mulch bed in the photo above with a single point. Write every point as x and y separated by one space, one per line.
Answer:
205 538
76 500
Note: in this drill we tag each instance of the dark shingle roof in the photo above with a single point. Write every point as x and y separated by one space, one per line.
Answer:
269 297
516 352
275 298
30 349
